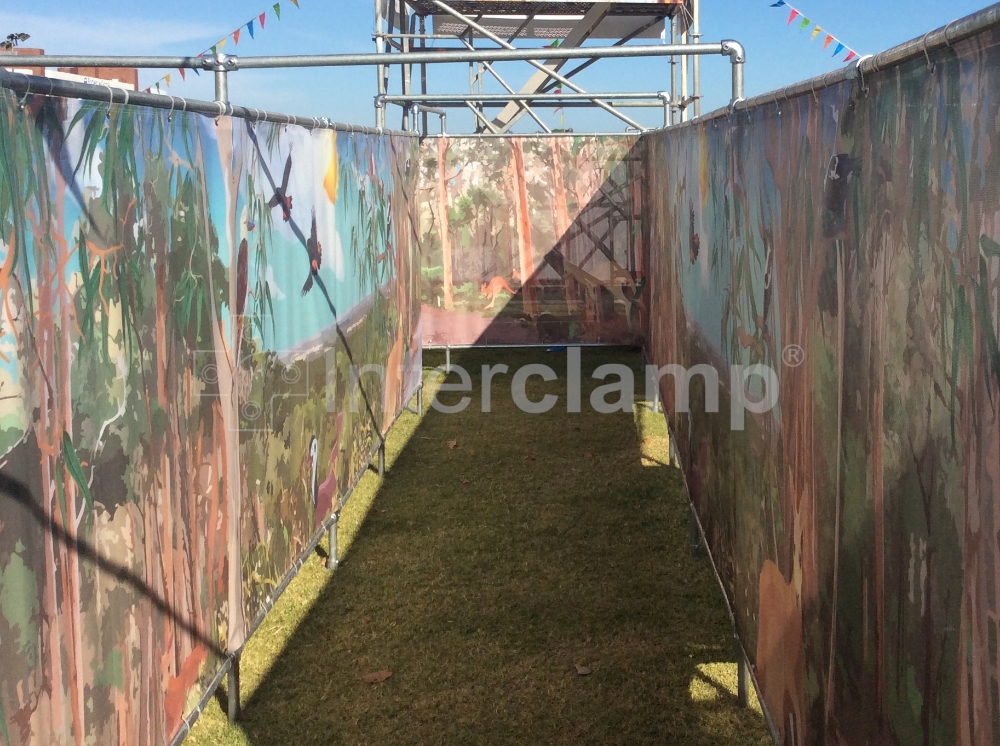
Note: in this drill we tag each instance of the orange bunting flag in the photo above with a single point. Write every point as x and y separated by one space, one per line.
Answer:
295 3
236 36
829 40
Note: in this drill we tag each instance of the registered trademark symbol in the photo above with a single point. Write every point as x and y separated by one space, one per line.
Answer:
793 355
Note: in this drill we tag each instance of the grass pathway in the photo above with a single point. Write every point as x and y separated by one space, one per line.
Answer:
483 573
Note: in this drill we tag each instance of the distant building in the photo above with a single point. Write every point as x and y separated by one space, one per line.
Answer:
26 70
117 77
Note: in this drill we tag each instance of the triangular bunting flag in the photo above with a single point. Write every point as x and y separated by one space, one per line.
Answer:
805 22
277 10
236 37
215 50
262 17
222 43
250 28
778 4
838 50
181 71
826 42
167 78
295 3
816 32
792 16
196 70
851 56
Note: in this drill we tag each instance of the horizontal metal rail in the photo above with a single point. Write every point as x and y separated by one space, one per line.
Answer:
418 108
230 63
505 97
111 95
223 64
582 103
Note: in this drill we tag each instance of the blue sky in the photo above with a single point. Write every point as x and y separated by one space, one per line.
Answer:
777 54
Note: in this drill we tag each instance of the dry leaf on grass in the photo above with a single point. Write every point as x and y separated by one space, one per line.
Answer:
464 480
452 444
529 458
588 454
376 677
582 670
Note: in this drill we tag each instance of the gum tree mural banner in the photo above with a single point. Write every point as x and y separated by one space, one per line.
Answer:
848 239
532 240
181 300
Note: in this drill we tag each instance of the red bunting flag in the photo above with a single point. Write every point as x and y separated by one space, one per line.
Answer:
261 18
181 71
851 56
236 36
792 16
295 3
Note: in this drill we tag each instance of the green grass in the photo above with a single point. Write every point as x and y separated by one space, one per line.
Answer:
481 575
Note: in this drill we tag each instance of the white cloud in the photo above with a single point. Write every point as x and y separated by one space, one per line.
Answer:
92 34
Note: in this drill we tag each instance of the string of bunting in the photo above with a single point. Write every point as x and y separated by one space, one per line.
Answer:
257 21
558 89
795 14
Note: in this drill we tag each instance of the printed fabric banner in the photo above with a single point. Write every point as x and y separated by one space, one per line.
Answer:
848 241
532 240
182 300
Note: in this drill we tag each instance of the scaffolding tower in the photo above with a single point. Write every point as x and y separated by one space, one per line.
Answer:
405 27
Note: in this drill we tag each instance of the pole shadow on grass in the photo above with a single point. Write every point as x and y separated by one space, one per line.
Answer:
525 578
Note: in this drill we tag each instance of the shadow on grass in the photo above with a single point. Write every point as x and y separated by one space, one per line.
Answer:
503 551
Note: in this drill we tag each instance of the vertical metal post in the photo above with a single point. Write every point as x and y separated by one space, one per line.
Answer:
742 677
332 560
234 688
381 458
423 70
380 69
695 533
472 75
221 80
684 79
673 72
404 25
696 35
737 81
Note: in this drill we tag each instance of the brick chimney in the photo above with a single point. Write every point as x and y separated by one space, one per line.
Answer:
27 70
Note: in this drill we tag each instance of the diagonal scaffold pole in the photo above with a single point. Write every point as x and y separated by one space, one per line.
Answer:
537 65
